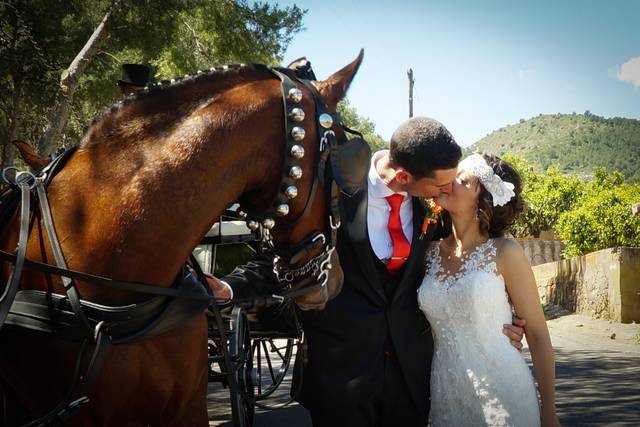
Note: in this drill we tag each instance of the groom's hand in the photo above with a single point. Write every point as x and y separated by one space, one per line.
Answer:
221 290
515 332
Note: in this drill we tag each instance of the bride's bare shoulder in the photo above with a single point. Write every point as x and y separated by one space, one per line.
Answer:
509 252
507 244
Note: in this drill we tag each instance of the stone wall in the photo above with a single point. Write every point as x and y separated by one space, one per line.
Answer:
603 284
542 251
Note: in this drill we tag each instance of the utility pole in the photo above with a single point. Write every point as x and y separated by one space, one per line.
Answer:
411 82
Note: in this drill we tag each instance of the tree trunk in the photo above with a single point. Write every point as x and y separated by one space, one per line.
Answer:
8 150
14 117
537 228
69 82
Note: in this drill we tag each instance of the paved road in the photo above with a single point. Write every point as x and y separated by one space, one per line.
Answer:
598 378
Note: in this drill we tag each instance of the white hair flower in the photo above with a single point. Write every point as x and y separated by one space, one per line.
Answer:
500 190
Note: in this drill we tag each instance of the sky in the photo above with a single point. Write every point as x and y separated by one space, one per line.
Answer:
478 65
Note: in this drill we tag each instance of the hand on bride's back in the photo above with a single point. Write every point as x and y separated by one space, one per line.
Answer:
515 332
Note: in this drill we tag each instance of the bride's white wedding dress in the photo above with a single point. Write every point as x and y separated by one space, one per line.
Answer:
477 377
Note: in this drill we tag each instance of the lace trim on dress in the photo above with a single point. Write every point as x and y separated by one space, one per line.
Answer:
481 258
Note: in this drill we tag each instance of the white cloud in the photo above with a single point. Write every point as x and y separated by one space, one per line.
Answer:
630 71
525 73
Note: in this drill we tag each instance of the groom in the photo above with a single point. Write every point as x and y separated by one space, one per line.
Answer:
369 351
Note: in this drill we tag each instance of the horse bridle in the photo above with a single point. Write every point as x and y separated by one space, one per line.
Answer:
340 167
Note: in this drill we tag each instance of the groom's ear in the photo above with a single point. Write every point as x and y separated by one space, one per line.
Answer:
402 176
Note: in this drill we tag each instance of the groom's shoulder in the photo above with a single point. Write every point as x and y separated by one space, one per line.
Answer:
418 203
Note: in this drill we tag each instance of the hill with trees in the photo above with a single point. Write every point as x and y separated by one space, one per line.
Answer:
572 143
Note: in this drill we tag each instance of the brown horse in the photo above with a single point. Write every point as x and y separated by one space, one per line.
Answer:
148 180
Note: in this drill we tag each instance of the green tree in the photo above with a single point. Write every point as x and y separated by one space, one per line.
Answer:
364 125
39 39
602 218
546 197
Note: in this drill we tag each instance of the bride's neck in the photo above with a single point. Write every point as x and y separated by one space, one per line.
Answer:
466 233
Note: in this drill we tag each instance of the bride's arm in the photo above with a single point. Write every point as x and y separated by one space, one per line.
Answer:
523 291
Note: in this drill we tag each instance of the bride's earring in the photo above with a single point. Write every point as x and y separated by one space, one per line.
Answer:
476 217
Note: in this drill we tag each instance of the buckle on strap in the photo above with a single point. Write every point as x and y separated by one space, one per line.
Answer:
64 415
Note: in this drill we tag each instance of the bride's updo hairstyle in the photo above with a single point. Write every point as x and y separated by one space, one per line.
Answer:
496 220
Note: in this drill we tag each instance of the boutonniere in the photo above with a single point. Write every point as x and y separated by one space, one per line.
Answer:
431 216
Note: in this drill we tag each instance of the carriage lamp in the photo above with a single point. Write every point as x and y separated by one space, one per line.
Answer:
268 223
297 133
252 224
296 114
282 209
294 95
297 151
295 172
291 192
326 121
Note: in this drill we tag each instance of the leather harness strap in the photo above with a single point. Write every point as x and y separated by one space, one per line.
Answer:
34 309
68 283
14 280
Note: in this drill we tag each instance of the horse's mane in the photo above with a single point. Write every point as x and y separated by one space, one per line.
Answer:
161 103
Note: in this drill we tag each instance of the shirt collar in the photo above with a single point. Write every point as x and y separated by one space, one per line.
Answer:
377 189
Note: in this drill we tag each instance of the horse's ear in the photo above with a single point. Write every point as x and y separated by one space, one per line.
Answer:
29 154
335 87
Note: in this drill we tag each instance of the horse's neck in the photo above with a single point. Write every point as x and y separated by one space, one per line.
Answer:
139 217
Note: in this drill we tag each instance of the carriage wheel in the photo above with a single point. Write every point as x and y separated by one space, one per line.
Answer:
216 363
271 358
241 357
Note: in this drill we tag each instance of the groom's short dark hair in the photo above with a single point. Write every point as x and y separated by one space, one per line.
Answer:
422 145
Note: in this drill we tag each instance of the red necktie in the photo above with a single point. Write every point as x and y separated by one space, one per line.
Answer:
401 246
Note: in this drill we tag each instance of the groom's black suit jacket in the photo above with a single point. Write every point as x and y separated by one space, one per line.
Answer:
374 314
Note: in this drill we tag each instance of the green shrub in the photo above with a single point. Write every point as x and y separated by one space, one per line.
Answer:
601 219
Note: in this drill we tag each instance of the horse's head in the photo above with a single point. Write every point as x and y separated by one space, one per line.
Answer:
319 164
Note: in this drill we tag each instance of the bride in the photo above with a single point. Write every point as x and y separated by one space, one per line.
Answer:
475 278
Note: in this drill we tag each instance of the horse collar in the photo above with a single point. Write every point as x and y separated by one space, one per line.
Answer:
294 151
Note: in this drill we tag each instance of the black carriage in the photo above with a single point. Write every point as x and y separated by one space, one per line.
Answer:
261 335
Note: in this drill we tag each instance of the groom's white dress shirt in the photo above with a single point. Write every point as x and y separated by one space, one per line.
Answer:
378 210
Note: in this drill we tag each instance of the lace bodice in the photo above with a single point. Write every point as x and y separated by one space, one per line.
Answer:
481 258
477 377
